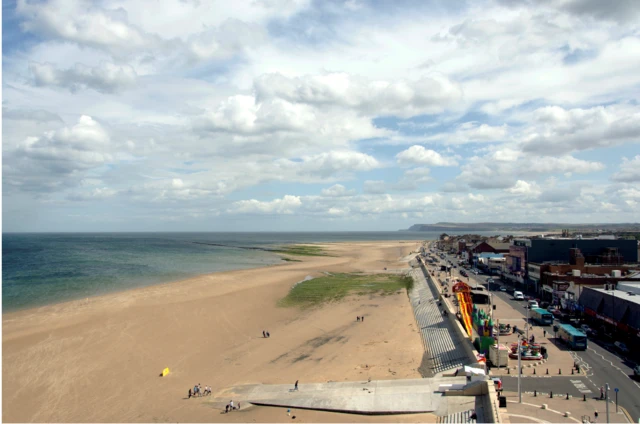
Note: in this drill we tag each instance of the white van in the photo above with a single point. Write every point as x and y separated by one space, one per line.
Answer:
517 295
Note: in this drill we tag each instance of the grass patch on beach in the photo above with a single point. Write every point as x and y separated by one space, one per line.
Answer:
334 287
301 250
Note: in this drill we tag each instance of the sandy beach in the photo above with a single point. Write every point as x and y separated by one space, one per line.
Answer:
99 359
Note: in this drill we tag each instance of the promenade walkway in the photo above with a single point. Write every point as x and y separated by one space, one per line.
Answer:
440 340
362 397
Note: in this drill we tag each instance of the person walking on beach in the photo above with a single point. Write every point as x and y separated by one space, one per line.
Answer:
264 334
189 392
358 319
268 335
362 318
230 405
295 386
226 408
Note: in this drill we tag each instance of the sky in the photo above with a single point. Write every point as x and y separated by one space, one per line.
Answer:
302 115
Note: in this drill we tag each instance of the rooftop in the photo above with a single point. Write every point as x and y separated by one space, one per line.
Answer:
619 294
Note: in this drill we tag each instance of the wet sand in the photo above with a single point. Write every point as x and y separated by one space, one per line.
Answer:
99 360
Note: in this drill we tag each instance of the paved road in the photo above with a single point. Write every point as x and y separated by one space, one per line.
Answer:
601 366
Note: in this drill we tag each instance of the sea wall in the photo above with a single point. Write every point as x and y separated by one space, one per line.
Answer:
467 344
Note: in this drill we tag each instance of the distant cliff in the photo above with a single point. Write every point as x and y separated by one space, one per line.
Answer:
534 227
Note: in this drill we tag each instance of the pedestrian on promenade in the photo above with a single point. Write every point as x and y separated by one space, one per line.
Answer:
544 333
601 392
595 416
295 386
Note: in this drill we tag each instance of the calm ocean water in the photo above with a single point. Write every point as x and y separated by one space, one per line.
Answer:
40 269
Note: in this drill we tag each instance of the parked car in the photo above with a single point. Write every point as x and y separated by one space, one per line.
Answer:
636 371
503 289
621 347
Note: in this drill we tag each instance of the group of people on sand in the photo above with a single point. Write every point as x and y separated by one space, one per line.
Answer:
265 334
230 407
197 391
360 319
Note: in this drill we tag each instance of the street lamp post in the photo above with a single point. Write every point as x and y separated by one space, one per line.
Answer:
520 375
606 398
527 324
498 337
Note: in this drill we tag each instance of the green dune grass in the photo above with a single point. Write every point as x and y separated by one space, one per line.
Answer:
334 287
301 250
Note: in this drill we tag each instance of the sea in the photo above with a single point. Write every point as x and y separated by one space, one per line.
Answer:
45 268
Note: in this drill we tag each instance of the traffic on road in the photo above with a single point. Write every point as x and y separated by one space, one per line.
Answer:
604 361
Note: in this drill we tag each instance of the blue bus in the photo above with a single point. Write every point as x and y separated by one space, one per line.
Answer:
541 316
573 337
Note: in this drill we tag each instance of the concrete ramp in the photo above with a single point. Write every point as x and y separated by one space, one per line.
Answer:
360 397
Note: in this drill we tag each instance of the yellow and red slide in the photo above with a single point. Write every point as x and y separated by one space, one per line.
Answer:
464 302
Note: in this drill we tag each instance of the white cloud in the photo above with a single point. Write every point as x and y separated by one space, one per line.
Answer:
485 173
422 156
232 37
40 163
329 163
559 130
106 78
337 190
524 188
374 187
79 21
95 194
471 132
206 99
285 206
402 98
629 170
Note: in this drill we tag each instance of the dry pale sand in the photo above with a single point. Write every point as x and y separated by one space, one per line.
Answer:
99 360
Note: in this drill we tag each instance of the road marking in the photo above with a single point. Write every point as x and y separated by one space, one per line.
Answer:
610 363
537 420
582 388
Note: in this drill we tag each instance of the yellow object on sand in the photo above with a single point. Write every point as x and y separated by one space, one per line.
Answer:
165 371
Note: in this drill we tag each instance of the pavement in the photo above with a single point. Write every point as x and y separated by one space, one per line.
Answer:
530 410
362 397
